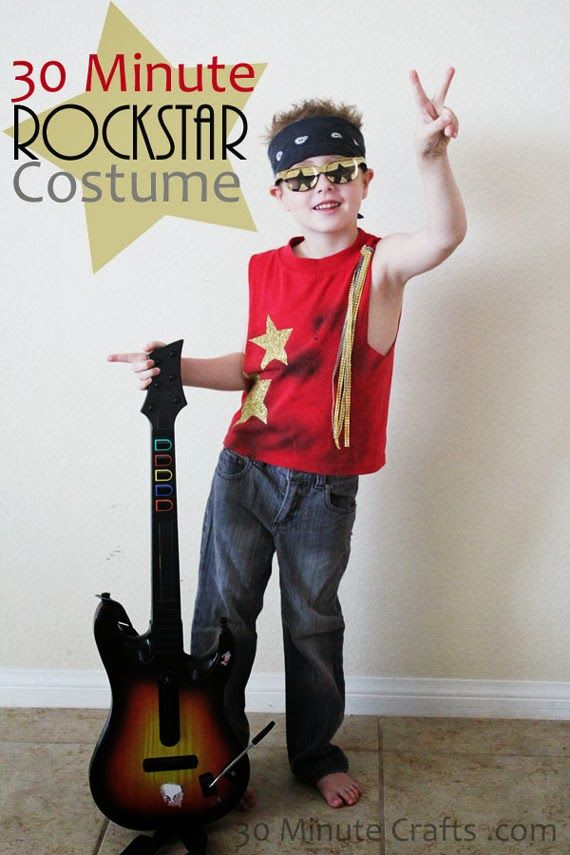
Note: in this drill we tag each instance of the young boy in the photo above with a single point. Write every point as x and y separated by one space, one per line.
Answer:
324 314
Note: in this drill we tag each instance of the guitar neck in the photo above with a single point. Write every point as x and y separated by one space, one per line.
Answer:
166 622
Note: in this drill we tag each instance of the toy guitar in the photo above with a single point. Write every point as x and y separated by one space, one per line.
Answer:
167 757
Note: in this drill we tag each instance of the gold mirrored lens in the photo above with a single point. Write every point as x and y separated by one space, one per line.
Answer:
351 164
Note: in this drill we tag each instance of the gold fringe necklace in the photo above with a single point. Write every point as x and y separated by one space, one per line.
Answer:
340 414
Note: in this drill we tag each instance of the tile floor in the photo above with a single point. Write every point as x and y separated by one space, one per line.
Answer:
491 777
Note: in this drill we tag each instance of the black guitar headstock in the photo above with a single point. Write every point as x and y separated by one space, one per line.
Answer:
165 396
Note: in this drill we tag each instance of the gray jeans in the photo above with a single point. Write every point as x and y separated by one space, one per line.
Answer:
255 510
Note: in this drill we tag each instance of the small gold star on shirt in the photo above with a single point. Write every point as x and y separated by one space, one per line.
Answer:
273 342
254 404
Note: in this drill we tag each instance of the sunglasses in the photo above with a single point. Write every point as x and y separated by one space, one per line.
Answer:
301 178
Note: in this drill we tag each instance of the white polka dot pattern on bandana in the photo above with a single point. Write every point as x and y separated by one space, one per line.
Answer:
336 135
279 155
301 140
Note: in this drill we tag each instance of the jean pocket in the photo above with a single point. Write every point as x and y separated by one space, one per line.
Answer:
340 494
232 465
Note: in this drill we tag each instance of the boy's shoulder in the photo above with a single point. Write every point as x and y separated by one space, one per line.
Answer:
268 257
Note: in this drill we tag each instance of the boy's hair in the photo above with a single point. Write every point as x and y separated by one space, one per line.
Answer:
309 108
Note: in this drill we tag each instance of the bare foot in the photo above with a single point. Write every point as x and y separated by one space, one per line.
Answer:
338 789
248 800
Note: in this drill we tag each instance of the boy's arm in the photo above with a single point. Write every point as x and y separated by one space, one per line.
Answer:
220 372
402 256
405 255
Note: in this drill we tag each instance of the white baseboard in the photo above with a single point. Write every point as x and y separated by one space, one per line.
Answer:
420 696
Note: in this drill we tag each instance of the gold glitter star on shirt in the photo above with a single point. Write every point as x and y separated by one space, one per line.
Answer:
254 404
273 342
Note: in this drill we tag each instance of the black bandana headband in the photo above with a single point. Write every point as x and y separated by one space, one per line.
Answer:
312 137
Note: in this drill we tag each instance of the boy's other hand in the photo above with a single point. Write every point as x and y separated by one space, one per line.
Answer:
436 123
142 365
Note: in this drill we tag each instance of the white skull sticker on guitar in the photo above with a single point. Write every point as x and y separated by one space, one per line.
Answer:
172 794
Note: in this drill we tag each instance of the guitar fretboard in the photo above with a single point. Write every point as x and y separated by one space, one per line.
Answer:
166 612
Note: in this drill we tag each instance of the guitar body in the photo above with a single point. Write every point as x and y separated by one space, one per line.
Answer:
178 700
166 737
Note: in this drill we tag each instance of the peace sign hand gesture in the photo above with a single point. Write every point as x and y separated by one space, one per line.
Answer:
436 124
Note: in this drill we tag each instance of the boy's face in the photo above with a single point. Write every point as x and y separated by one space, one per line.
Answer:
327 207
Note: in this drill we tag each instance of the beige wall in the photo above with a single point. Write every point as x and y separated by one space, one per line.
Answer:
458 567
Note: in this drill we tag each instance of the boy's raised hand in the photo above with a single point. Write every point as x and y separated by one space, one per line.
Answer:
436 123
142 365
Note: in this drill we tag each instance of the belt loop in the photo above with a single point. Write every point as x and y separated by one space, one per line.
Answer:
321 481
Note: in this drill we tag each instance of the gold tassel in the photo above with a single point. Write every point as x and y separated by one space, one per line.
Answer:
341 402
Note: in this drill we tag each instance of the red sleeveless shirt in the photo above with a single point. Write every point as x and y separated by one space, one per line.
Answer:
297 308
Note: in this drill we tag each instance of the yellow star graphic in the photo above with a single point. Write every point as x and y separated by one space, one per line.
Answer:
254 404
118 218
273 342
